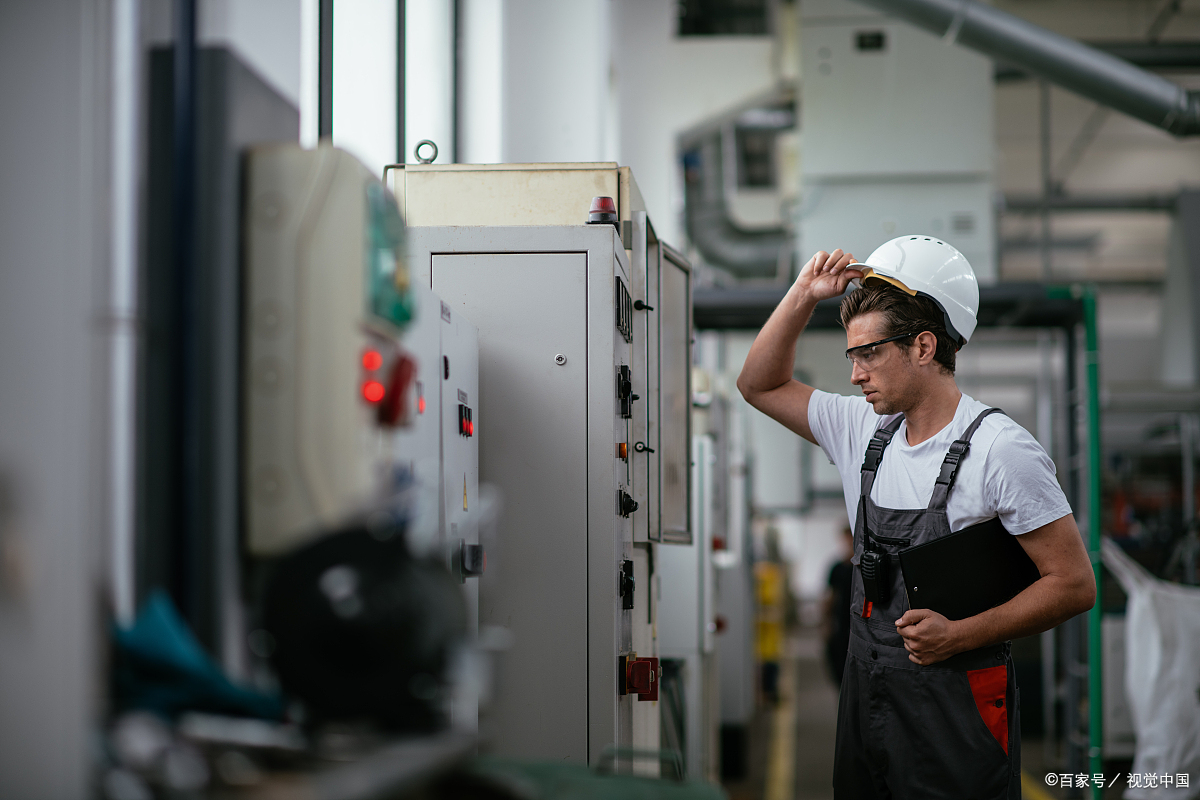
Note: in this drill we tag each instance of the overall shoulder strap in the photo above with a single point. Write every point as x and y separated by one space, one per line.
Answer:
879 442
958 451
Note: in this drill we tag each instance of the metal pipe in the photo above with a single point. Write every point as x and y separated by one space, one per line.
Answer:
1176 56
184 562
1047 181
123 309
1064 61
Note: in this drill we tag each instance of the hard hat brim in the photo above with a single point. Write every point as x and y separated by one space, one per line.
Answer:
871 274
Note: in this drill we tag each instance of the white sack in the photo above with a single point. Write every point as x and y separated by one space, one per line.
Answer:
1162 675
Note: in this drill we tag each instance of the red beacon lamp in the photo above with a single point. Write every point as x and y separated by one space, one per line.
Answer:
603 211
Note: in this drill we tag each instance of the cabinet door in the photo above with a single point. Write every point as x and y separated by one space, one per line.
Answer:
533 428
674 374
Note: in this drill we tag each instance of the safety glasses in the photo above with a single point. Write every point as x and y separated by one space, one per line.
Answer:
867 356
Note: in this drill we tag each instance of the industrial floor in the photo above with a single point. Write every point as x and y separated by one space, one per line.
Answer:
791 745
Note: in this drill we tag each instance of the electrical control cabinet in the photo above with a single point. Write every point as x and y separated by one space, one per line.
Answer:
439 453
326 379
460 418
553 194
439 450
687 616
418 448
559 397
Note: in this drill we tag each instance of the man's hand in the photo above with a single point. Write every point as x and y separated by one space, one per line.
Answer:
827 275
928 636
766 381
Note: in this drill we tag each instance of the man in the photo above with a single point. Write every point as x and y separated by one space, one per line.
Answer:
924 709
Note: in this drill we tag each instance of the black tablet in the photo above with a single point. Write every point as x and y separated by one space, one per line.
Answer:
967 572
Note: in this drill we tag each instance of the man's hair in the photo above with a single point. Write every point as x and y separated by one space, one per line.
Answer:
903 313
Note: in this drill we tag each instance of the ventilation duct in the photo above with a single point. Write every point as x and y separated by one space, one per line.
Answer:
746 254
1066 62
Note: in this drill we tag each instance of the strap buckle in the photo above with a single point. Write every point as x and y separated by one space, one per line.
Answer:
875 447
957 452
874 455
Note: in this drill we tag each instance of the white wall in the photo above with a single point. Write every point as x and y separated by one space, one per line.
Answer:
556 80
481 82
667 85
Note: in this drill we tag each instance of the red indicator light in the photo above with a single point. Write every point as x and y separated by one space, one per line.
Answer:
372 361
420 405
470 428
373 391
603 211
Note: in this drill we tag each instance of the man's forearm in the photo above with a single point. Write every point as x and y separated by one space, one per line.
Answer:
771 359
1047 602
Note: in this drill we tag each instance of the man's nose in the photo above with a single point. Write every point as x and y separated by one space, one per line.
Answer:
857 374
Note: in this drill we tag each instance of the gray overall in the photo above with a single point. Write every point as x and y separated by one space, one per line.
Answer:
950 730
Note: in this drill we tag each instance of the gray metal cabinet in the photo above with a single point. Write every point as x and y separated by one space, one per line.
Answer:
551 349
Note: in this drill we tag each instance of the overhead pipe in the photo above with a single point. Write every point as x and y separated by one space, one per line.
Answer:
1059 59
1179 56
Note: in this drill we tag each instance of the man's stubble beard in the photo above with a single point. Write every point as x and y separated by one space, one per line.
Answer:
897 404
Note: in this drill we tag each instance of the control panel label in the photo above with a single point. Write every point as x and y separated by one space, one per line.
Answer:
462 396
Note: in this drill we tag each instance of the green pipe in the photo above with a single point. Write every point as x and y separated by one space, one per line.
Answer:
1095 649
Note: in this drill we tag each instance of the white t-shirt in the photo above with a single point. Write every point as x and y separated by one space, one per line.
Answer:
1006 473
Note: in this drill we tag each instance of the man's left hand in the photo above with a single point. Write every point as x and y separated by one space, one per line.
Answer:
928 636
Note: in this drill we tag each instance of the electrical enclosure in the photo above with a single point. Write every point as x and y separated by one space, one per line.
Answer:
563 385
325 287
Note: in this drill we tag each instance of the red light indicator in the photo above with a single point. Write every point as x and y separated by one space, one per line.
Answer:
470 428
373 391
604 205
420 405
372 360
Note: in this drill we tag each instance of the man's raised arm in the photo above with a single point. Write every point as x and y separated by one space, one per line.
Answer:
766 380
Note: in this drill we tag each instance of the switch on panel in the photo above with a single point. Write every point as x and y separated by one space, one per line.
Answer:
625 391
626 505
473 560
628 585
639 676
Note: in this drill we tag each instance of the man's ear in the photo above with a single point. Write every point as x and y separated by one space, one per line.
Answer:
926 348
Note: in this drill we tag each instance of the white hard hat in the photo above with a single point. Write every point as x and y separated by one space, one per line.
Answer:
930 267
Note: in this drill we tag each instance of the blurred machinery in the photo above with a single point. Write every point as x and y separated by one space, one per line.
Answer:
326 380
360 454
584 336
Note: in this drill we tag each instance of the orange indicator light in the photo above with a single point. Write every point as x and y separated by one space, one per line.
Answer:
372 361
373 391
